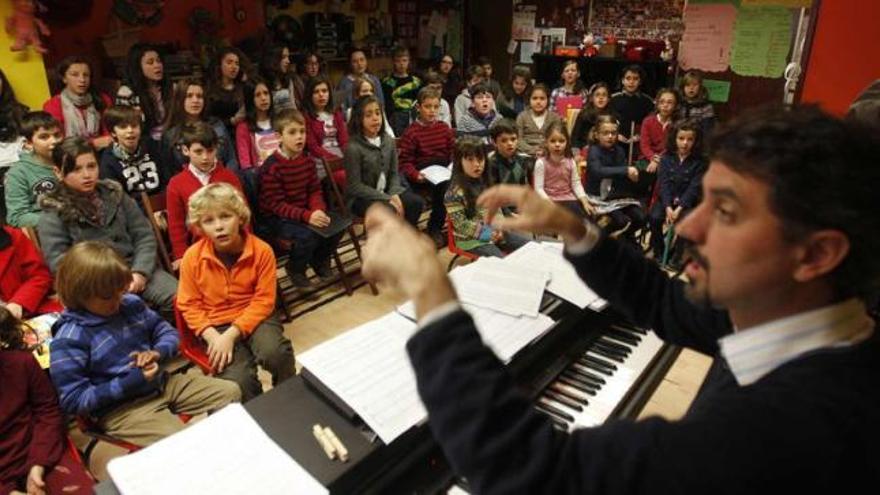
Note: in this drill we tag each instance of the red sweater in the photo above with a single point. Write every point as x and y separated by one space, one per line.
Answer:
315 135
24 277
423 144
180 188
653 136
290 188
31 425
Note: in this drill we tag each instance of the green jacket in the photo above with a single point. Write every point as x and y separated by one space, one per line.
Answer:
469 232
26 181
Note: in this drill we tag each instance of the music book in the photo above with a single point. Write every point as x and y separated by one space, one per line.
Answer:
226 452
338 223
495 284
436 173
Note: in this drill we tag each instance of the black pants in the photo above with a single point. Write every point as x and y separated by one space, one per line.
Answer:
413 204
438 206
309 248
631 214
657 218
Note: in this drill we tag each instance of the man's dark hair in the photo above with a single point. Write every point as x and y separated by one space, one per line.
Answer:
821 173
503 126
34 121
198 132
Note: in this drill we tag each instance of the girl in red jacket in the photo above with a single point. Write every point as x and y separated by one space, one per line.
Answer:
25 280
79 106
32 454
326 132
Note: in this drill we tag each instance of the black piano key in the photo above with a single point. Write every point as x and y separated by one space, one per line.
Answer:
599 362
578 385
614 345
565 401
594 367
560 389
556 421
630 328
546 406
625 337
587 374
608 353
580 374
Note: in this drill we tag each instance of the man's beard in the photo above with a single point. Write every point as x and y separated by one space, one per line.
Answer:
697 293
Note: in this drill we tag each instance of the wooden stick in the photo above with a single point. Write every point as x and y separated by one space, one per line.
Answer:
632 131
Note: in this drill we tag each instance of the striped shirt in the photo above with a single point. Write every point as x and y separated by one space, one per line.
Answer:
289 187
424 144
755 352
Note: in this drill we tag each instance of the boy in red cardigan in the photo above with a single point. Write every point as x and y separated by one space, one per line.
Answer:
427 141
24 278
199 144
292 200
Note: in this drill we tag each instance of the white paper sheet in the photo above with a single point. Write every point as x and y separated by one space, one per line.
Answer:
368 368
436 173
226 453
505 287
564 280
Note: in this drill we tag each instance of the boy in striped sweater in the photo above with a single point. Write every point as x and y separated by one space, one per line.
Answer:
292 200
428 141
109 352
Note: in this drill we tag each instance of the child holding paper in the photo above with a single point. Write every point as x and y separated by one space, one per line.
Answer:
469 179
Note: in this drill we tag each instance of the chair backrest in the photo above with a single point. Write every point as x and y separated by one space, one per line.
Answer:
452 246
190 346
31 233
156 208
331 166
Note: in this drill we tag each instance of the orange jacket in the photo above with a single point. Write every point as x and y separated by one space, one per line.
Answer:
209 294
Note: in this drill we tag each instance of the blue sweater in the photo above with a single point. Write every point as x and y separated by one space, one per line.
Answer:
90 356
680 181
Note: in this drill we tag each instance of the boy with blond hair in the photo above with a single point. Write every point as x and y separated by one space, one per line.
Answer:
121 386
227 292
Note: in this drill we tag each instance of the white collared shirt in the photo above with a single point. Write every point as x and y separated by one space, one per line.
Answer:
755 352
203 177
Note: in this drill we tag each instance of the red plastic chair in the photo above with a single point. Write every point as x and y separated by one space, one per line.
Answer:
453 248
190 346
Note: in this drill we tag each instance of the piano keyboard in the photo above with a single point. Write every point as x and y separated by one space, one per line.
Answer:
589 389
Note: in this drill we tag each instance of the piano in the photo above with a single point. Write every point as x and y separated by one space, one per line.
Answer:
590 367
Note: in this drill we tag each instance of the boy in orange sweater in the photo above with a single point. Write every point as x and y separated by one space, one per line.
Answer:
227 292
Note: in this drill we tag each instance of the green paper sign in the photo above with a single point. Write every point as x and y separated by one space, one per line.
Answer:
761 41
719 91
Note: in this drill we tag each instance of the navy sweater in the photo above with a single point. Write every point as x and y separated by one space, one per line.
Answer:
810 426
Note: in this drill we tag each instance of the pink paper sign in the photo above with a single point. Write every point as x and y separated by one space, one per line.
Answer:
708 34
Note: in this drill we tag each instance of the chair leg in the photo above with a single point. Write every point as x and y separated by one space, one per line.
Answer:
279 301
451 262
357 248
341 268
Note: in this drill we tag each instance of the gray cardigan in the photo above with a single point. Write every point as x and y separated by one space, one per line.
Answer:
364 163
531 138
64 222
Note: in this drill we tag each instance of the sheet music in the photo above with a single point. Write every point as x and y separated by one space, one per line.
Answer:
227 452
437 173
505 287
368 368
503 333
564 280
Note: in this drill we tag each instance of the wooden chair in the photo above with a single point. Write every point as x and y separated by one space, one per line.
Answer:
31 233
156 209
331 166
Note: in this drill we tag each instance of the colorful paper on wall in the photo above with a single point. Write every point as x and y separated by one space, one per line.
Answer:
708 32
719 91
523 26
762 40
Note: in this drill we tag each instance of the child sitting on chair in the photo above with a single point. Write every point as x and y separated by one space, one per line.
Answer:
469 179
32 454
292 200
108 352
227 292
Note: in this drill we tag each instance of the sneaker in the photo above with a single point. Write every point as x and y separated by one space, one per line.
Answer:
325 273
438 238
300 280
